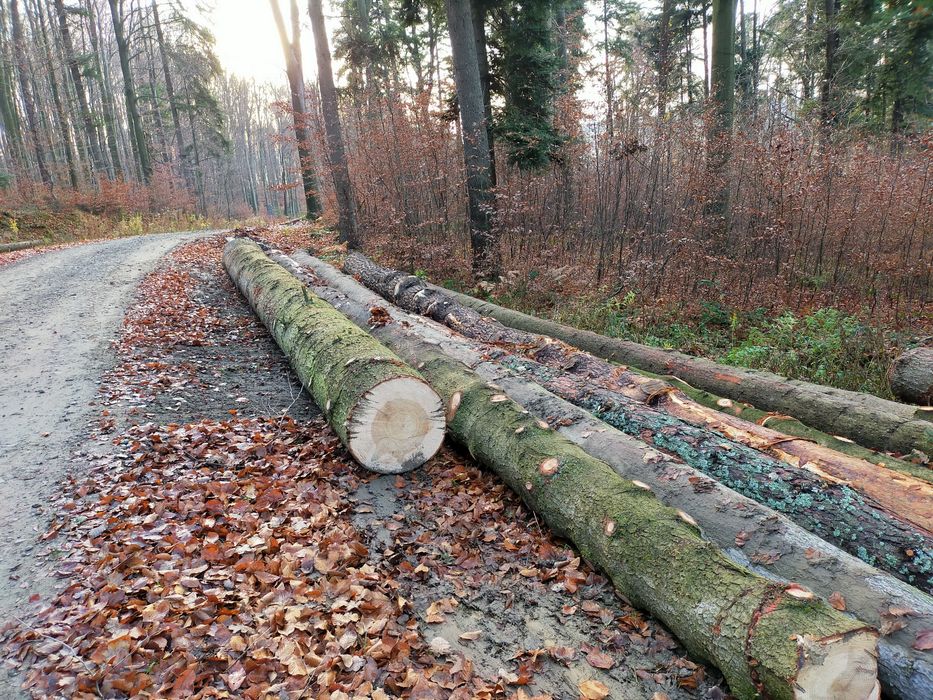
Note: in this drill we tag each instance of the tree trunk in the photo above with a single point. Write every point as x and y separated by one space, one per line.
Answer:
388 417
346 204
743 529
170 95
911 376
722 76
19 245
296 86
61 118
866 419
654 554
137 135
664 57
87 117
831 47
822 505
482 60
484 242
29 106
110 119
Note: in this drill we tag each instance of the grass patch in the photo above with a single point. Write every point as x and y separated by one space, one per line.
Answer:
825 346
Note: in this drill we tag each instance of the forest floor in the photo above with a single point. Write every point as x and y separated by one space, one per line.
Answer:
209 535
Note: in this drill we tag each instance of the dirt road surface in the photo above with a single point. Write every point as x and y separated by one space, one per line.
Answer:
59 312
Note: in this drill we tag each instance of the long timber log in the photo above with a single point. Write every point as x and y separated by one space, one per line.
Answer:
748 532
389 418
910 498
868 420
768 638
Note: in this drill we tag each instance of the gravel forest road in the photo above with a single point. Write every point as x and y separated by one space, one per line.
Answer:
58 313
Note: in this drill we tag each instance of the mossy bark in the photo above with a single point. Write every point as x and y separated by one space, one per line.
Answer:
791 426
19 245
868 420
743 623
739 526
339 364
832 510
912 499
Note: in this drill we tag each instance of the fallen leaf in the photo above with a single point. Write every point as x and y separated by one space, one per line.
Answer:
593 690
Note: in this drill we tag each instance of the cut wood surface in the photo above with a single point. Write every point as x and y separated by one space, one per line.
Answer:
868 420
791 426
748 532
911 499
384 412
767 637
912 376
20 245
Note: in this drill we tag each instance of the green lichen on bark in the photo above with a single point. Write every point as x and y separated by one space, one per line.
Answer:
719 610
337 362
792 426
834 512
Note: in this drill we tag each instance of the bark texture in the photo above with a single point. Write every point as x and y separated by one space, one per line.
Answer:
791 426
346 204
20 245
866 419
912 376
911 499
746 531
476 152
342 367
748 626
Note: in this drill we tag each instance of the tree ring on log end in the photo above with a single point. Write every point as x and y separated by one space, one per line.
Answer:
843 666
396 426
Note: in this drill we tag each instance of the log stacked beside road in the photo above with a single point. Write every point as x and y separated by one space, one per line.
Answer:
599 488
389 418
868 420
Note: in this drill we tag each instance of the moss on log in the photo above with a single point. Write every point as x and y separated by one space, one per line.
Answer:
383 411
739 526
830 509
767 638
791 426
19 245
868 420
910 498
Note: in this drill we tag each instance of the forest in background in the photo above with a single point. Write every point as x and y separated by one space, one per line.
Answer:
617 195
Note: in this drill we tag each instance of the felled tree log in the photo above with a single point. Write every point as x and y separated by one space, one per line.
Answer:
19 245
866 419
911 499
388 417
749 533
911 376
769 638
791 426
827 508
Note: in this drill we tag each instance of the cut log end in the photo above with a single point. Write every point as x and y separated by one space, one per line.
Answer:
396 426
842 666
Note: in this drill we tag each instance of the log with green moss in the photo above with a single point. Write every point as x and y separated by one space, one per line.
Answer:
791 426
385 413
768 638
749 533
868 420
911 499
829 509
19 245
